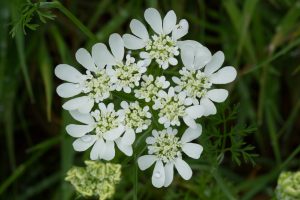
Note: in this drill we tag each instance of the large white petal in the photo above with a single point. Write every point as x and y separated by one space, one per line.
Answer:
146 161
191 134
158 176
189 121
126 149
192 150
117 46
133 42
215 63
188 56
87 107
85 59
128 137
109 152
67 90
224 75
114 134
183 169
139 29
180 30
169 22
83 143
67 73
82 117
169 173
76 130
209 106
102 56
202 56
153 18
97 150
217 95
195 112
76 103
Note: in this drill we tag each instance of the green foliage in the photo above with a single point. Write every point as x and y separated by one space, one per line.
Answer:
223 137
29 11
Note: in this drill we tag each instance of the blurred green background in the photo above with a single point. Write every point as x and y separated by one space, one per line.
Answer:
259 37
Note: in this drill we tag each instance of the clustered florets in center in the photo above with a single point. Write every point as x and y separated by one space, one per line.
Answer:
162 49
120 96
166 147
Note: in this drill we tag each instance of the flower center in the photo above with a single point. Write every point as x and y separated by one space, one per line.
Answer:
149 88
97 85
195 83
128 74
167 147
136 117
172 109
105 121
161 48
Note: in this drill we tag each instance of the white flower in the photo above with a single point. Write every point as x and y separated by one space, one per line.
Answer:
125 75
136 119
165 149
172 106
95 84
198 84
101 129
162 45
149 88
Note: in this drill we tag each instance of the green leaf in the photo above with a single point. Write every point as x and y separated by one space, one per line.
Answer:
46 71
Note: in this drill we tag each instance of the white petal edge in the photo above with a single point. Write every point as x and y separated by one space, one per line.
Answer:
67 90
102 56
67 73
128 137
169 22
109 152
183 169
191 134
195 111
158 176
84 58
188 56
224 75
76 130
133 42
116 44
169 174
87 107
84 142
82 117
217 95
192 150
209 107
126 149
153 18
215 63
97 150
139 29
145 161
75 103
180 30
114 134
189 122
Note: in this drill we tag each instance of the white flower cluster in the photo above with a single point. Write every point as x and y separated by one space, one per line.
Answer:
99 97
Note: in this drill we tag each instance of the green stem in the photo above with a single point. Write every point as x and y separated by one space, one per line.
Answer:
135 186
222 184
73 18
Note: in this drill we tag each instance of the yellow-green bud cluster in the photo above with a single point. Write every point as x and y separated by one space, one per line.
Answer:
288 186
96 179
